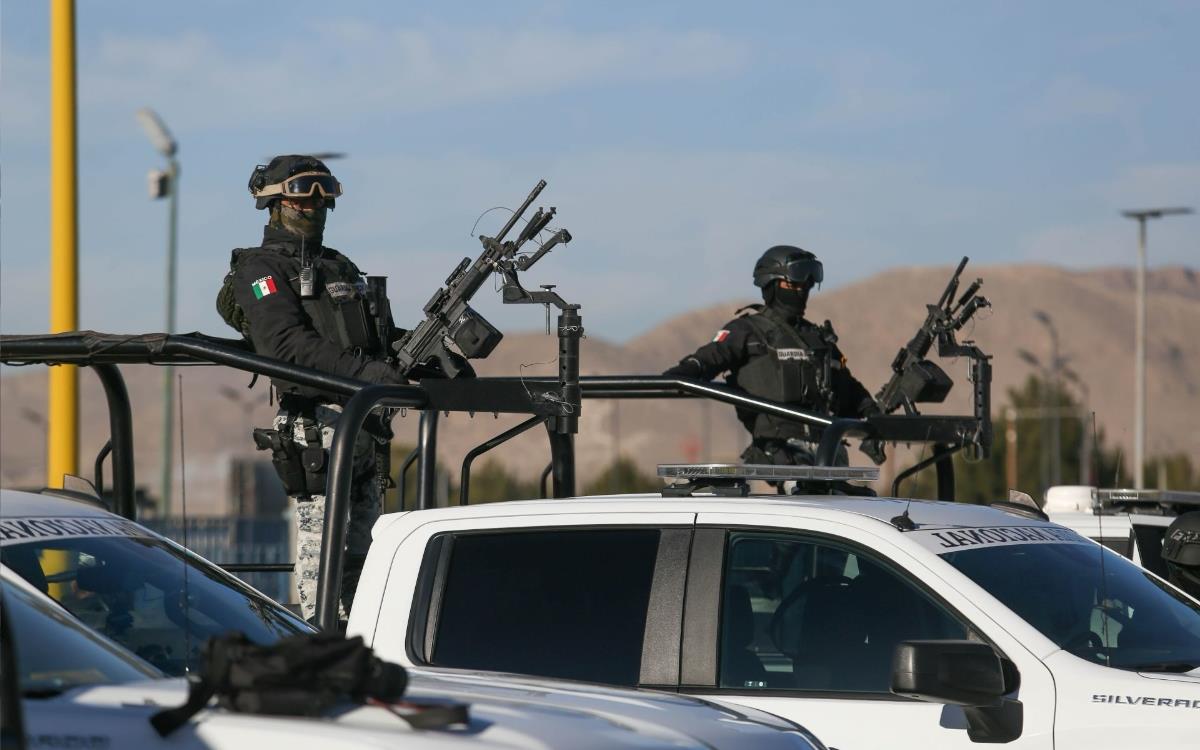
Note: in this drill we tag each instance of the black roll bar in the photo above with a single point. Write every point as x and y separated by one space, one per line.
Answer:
120 442
554 401
338 485
942 456
402 475
427 461
484 447
98 467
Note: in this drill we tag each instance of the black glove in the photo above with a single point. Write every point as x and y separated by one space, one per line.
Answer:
688 368
874 450
872 447
432 368
381 373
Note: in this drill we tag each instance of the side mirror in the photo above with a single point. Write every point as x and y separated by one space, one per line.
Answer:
961 673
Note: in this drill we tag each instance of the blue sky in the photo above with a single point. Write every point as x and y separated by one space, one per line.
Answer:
679 139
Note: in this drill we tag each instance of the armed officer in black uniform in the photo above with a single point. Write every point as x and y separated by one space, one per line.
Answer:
774 353
299 301
1181 552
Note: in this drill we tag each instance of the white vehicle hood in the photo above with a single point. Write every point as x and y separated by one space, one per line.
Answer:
500 717
712 723
1120 708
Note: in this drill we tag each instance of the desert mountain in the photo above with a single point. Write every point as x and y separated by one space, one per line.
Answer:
1092 312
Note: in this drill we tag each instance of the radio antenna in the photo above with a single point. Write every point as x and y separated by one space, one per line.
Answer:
1100 532
187 600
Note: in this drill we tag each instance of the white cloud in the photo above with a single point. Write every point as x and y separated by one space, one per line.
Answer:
1154 185
359 69
1070 97
871 89
1106 238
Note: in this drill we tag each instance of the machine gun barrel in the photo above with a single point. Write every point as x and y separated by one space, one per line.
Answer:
952 287
512 220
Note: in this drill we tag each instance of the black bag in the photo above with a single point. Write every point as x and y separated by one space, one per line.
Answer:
301 675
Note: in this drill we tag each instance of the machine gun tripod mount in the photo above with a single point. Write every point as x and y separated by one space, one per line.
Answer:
451 323
915 379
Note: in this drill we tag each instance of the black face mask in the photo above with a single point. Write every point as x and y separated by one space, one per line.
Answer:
791 301
306 223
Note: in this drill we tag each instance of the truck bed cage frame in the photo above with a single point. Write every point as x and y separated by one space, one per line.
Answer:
541 398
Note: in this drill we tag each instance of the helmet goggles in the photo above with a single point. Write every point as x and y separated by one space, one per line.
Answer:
807 271
304 185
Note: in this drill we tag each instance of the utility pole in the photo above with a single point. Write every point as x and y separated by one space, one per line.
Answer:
62 441
1086 417
1139 366
166 183
1010 447
1052 392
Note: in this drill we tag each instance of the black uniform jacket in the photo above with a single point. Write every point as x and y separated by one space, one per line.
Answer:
267 287
730 350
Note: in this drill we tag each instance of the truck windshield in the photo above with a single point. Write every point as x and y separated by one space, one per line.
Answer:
1115 613
54 652
133 590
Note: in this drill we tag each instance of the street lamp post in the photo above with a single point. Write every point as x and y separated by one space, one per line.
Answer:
166 184
1044 410
1139 371
1055 425
1085 434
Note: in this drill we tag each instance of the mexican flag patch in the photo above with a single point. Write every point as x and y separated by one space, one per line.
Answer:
721 336
263 287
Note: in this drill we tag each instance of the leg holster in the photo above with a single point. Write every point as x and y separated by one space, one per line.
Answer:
314 458
302 469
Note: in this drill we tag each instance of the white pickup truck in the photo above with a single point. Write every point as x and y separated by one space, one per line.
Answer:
118 580
874 622
1131 522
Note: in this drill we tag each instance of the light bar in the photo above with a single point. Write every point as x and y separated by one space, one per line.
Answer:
1106 497
769 472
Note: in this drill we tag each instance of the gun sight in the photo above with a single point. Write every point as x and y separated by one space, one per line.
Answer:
458 271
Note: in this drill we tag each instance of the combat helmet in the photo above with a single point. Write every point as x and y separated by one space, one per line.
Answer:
1181 552
787 262
292 175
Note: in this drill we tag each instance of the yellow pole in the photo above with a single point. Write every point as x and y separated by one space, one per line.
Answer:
63 420
62 449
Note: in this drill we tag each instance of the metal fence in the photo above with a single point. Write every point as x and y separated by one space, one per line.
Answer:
233 539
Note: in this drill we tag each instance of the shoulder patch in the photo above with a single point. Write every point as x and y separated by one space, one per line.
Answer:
721 336
264 286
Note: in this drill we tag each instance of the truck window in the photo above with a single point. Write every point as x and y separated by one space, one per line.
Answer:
808 614
1106 610
131 589
562 603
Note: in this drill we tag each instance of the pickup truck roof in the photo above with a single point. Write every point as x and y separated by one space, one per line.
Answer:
925 514
19 503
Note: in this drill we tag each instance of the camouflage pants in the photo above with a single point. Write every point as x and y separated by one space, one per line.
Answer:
309 510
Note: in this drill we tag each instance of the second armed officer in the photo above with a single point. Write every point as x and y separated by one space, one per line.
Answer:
772 351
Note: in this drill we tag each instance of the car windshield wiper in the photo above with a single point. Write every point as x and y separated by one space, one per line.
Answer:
1177 667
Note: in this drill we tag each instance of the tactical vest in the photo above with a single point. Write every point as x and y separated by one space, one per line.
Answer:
786 364
339 307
